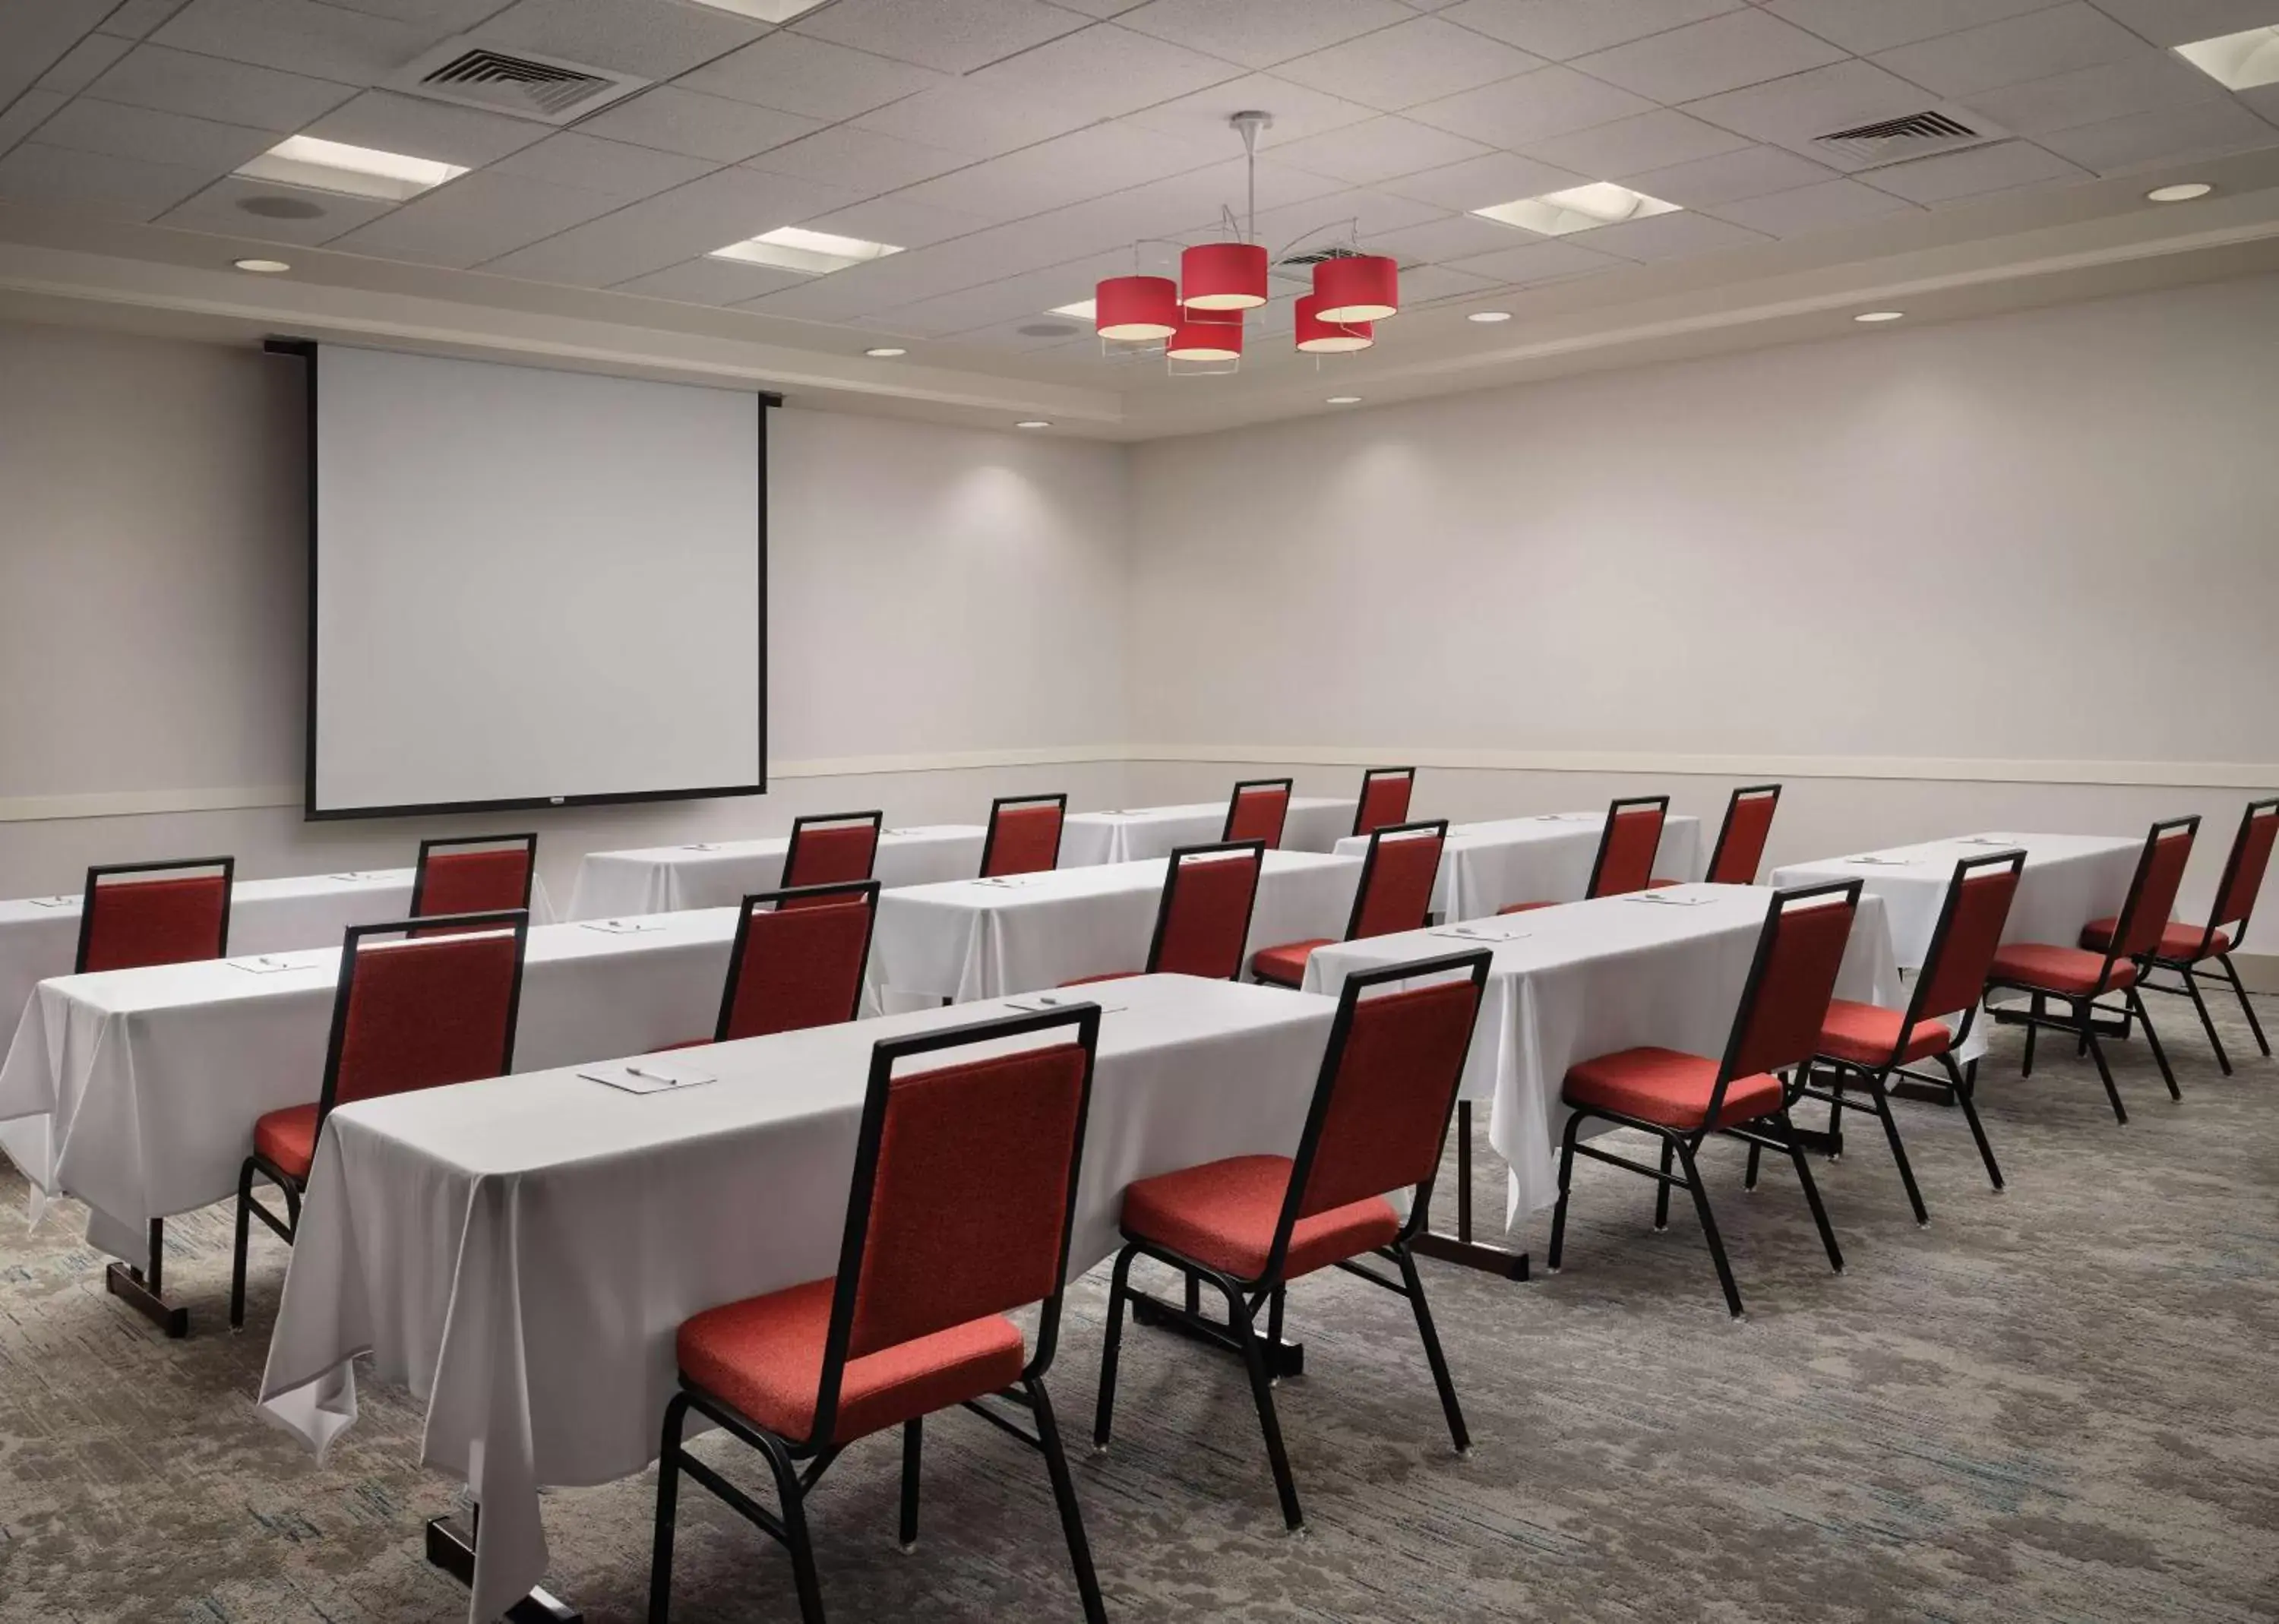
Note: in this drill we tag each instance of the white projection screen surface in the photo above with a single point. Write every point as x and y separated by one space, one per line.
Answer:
531 587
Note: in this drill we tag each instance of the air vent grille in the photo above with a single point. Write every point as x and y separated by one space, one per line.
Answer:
1895 141
548 90
1315 257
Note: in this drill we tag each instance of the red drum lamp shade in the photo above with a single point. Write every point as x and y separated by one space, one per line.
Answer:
1223 276
1317 337
1201 340
1356 288
1132 309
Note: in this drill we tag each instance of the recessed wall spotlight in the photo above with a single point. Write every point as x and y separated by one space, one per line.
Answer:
1343 399
1032 422
2183 192
885 352
262 267
1487 315
1876 316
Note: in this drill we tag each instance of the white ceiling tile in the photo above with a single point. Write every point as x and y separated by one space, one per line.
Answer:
952 36
1105 70
2170 136
656 39
1298 113
1980 170
962 117
1651 141
2146 83
477 218
1475 183
84 62
1544 260
708 127
1791 111
2180 22
1029 332
33 37
96 182
2264 100
1560 29
1805 209
209 87
616 168
25 114
704 280
154 137
860 291
1729 176
1100 9
1420 60
1704 59
1430 284
1866 25
134 19
711 211
813 77
1327 219
221 208
298 37
1067 169
1456 236
892 219
863 160
1548 101
1379 150
1261 32
1669 236
450 16
466 136
2018 49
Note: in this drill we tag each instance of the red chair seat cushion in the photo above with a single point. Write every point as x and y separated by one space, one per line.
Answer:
1654 884
1866 1034
1286 965
1667 1088
764 1356
2048 968
1085 981
1524 908
287 1139
1223 1213
2181 942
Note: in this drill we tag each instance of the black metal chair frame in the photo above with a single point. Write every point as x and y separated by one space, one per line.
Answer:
866 889
516 919
1436 826
1246 1298
527 841
2185 970
1750 792
2081 1022
1615 810
102 872
830 820
784 1456
1288 786
1684 1145
1180 859
1370 775
997 806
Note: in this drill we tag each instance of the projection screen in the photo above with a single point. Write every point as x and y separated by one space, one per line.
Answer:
530 587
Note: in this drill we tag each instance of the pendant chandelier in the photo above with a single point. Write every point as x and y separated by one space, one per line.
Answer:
1199 318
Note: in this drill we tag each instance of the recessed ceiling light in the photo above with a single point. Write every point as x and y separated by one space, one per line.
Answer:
2237 61
1343 399
360 172
2183 192
1879 315
264 267
811 253
885 352
1578 208
1083 310
1032 422
1489 316
765 11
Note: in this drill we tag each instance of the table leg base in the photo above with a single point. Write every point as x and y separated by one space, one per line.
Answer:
1928 1094
126 1284
453 1552
1471 1254
1282 1358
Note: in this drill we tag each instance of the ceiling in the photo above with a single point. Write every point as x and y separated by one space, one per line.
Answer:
1016 149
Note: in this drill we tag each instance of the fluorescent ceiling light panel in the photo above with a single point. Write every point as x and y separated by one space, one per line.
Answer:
811 253
762 11
360 172
1083 310
2237 61
1578 208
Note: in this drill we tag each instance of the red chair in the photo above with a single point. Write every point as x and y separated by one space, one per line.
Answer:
475 874
1683 1099
831 849
133 914
1395 894
1385 794
1257 811
798 959
2183 947
417 1012
1204 918
1249 1225
2078 977
1870 1043
1740 849
963 1198
1627 848
1024 835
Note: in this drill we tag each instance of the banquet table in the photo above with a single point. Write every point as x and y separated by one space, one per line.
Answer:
1315 823
1544 858
662 879
1662 967
520 1252
137 1090
985 939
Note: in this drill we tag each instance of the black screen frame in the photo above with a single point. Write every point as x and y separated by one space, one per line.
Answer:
305 350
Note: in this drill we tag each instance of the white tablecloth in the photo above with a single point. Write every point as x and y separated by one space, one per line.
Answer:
141 1087
1315 823
665 879
520 1252
1546 858
1589 979
985 939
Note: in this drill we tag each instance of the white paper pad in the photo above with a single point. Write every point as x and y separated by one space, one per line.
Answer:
701 846
624 927
648 1076
1479 933
270 964
54 902
1660 900
1039 1003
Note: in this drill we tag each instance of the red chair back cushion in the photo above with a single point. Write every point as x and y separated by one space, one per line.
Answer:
1627 853
1780 1027
425 1012
476 882
1026 840
1961 959
972 1194
1207 916
1384 802
1259 814
2251 856
137 923
802 966
1399 885
1741 847
831 855
2147 913
1390 1096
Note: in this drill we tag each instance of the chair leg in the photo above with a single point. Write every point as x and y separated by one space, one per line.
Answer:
2152 1038
2105 1075
1965 1089
1111 1344
795 1534
1881 1097
1261 1390
1662 1191
244 1235
1700 1194
2246 1008
2207 1022
1049 1434
1835 1119
1566 1178
913 1447
1810 1192
1434 1357
2039 1008
1748 1182
668 1496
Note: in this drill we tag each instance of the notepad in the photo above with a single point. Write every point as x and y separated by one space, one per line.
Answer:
1664 900
54 902
1014 881
701 846
648 1076
1041 1003
353 876
1882 862
2001 840
623 927
269 964
1479 932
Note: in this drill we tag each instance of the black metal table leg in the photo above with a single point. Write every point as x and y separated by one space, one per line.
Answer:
454 1553
141 1289
1461 1247
1282 1358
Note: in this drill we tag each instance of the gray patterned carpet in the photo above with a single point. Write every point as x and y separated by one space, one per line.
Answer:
2061 1403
